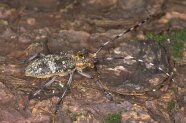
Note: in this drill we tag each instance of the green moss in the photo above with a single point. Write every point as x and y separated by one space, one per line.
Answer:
178 39
157 38
177 50
3 6
3 22
179 35
171 105
113 118
174 89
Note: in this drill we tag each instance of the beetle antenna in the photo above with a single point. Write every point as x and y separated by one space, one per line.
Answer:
123 33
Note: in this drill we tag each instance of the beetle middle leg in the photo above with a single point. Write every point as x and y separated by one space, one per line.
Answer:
98 82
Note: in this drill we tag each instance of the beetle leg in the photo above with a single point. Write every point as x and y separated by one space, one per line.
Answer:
113 58
106 94
43 87
85 74
33 57
64 93
36 55
32 95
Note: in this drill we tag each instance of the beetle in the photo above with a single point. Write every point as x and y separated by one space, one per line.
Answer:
63 64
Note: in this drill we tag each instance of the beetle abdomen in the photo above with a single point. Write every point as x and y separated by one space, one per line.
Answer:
50 65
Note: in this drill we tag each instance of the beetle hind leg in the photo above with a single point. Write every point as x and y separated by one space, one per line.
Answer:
31 58
102 89
34 94
68 84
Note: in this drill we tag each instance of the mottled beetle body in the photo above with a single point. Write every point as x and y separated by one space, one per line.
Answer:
59 65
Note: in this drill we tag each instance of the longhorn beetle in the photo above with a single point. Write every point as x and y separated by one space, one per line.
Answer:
63 64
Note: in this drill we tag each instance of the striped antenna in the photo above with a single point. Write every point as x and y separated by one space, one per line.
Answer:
123 33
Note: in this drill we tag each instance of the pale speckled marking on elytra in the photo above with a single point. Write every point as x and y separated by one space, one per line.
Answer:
66 63
50 65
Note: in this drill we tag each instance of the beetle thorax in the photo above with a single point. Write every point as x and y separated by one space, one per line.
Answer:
83 61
